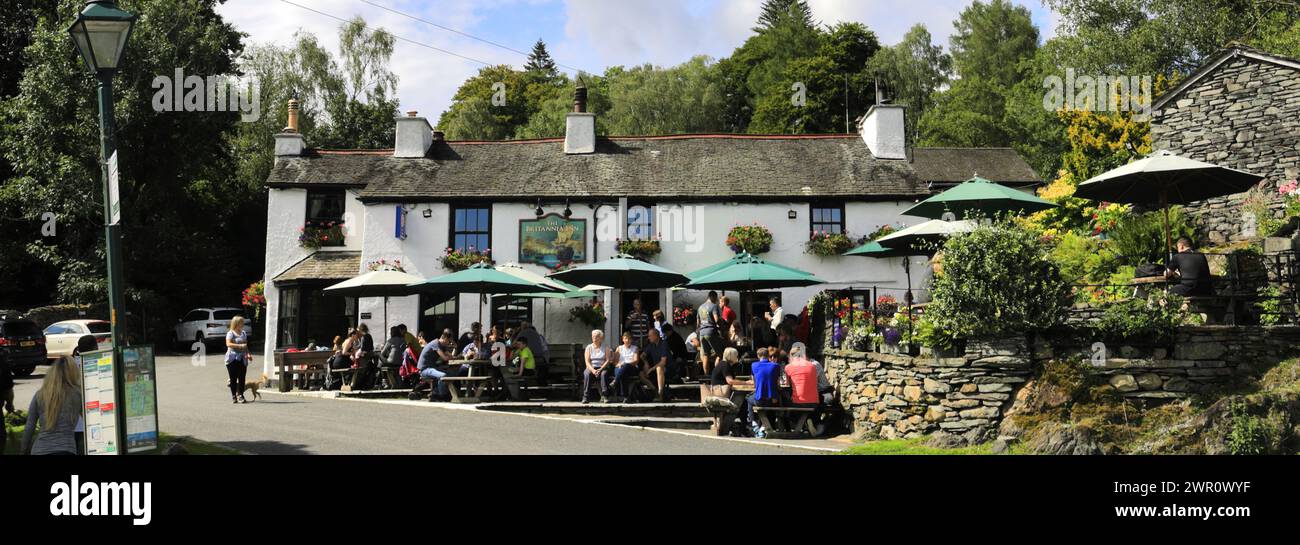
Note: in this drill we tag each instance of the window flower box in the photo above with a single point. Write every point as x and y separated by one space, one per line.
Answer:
644 250
823 244
455 261
317 234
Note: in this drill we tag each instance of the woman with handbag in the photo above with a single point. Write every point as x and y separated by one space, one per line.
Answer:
237 358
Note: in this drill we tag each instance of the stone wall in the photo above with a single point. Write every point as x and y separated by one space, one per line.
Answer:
1244 115
897 396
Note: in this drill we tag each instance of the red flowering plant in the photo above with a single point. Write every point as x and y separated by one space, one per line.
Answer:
386 265
842 307
254 298
1107 216
315 234
455 260
683 314
754 239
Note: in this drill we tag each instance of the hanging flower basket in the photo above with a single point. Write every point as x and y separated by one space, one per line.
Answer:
754 239
254 298
456 261
314 235
644 250
589 314
386 265
823 244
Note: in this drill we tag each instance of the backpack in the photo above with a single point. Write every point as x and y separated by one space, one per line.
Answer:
410 364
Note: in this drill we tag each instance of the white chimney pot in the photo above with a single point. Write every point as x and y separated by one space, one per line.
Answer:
884 130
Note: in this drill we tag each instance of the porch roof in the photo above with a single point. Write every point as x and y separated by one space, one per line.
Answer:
323 265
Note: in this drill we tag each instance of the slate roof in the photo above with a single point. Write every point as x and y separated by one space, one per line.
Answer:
323 265
683 167
1222 56
957 165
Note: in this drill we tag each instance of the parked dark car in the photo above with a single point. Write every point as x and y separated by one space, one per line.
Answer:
22 345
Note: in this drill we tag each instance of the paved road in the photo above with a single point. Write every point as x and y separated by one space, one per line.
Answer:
193 401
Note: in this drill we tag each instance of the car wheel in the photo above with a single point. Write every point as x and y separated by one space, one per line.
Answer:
23 372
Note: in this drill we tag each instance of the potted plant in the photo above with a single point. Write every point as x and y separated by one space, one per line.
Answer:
683 315
644 250
754 239
254 298
824 244
455 261
315 234
590 314
386 265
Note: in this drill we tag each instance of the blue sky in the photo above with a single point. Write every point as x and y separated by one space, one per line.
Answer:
587 34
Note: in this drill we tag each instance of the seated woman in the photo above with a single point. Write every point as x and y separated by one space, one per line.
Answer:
736 339
476 349
597 365
628 369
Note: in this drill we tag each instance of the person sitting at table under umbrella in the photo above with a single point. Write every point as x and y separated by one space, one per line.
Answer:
435 364
1190 269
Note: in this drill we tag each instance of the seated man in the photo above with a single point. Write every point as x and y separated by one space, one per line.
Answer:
657 357
767 389
1191 269
435 363
803 375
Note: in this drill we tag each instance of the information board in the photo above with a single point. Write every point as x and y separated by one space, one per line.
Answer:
141 400
98 394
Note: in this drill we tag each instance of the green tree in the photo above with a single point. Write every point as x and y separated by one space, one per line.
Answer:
182 218
911 73
838 83
990 42
540 64
776 13
647 100
360 107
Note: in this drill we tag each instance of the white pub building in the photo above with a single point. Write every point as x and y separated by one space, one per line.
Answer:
414 202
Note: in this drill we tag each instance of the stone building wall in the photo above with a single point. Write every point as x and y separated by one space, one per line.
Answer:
896 396
1245 115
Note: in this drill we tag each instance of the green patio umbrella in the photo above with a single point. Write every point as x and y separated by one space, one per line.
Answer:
738 258
376 284
622 272
570 291
747 273
1164 179
482 279
981 196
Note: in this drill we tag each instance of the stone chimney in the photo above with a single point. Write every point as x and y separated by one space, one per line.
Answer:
289 143
414 137
580 126
885 132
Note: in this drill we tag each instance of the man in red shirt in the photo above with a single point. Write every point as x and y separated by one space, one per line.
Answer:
802 373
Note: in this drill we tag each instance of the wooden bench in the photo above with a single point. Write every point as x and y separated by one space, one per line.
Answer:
1218 309
768 417
467 389
304 365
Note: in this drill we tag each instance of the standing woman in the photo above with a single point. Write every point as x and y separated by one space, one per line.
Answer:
56 409
237 358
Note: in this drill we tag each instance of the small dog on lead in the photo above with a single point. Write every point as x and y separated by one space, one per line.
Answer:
255 386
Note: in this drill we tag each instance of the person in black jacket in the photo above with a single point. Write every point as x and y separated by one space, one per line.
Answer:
1191 270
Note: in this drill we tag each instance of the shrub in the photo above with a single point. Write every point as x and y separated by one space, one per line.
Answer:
930 334
1139 238
1083 259
1154 319
1250 435
996 280
589 314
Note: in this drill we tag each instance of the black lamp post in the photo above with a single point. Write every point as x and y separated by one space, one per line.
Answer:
100 34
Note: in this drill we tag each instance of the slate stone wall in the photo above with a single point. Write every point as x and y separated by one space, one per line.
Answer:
1244 115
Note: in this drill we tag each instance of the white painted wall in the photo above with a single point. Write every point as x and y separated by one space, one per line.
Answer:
286 213
428 239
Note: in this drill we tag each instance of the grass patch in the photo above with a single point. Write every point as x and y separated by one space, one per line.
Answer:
912 447
192 445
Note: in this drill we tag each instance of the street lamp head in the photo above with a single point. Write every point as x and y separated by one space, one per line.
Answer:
100 33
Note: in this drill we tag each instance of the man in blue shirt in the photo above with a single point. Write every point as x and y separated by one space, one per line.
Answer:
767 389
434 364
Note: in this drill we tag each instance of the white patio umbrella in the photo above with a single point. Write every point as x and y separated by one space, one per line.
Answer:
383 283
